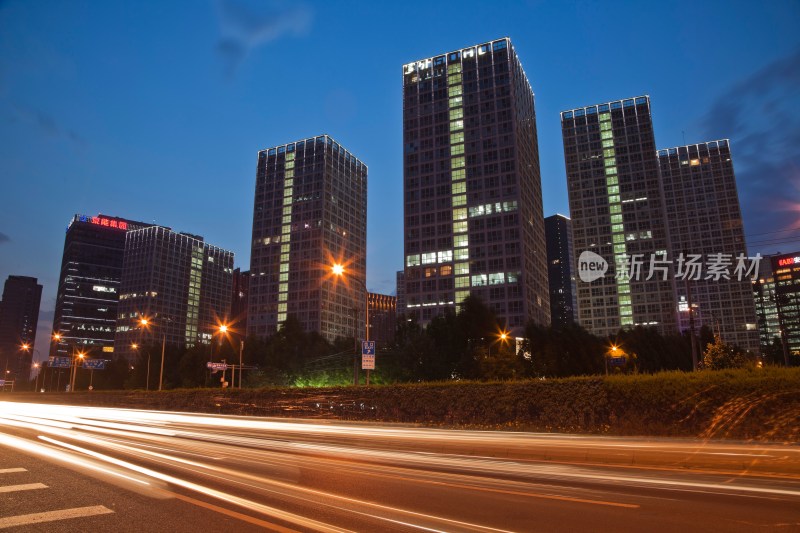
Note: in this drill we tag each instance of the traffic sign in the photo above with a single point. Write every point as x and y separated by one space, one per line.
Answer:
367 355
617 361
367 347
94 364
60 362
217 366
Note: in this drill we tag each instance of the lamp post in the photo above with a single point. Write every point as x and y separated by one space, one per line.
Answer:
27 347
74 366
338 270
146 323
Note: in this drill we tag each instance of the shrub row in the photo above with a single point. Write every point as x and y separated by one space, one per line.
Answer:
735 404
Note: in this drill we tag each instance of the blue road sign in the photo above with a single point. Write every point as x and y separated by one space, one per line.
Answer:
60 362
94 364
617 361
367 347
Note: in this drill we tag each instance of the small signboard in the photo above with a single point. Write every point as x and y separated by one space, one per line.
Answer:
60 362
368 355
2 383
617 361
217 366
94 364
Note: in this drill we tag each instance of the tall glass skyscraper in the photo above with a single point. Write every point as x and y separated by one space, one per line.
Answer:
181 284
473 199
88 285
617 208
310 211
705 219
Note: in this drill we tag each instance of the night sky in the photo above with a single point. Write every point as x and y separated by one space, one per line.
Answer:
155 111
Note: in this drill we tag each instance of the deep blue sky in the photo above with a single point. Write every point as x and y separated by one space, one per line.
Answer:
155 110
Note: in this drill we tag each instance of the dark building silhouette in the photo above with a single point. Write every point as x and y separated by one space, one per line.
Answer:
382 318
239 297
561 270
786 276
310 211
473 198
19 315
88 284
401 293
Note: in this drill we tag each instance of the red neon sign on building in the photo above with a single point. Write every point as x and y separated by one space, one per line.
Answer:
109 223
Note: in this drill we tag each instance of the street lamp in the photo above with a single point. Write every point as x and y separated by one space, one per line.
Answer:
145 324
78 356
338 270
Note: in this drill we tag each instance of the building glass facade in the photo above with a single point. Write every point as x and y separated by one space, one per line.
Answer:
181 284
473 202
617 208
705 219
88 285
310 211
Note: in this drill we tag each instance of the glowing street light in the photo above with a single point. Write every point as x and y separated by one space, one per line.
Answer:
146 323
338 270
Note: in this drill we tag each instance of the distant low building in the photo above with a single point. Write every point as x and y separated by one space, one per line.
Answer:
382 318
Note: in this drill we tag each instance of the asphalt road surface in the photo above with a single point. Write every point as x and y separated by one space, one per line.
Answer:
68 468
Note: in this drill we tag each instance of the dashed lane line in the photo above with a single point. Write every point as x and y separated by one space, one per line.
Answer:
52 516
28 486
11 470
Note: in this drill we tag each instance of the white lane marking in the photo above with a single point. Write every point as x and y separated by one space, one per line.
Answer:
52 516
11 470
29 486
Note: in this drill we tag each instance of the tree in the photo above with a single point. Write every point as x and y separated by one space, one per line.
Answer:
719 356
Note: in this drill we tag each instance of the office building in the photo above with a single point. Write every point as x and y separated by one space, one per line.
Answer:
617 208
19 315
382 318
472 190
88 284
561 270
769 327
705 219
310 212
786 275
176 281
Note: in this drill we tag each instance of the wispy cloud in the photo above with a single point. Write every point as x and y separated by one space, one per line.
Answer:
47 124
246 24
759 115
4 238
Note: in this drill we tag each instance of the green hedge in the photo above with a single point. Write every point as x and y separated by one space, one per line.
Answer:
759 404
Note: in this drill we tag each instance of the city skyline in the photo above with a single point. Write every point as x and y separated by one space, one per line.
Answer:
81 124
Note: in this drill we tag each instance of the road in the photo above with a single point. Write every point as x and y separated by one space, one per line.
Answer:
68 468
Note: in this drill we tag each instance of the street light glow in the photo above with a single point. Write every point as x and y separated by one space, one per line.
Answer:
57 336
25 346
223 328
144 322
337 269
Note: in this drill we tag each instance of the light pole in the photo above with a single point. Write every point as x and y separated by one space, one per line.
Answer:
145 323
338 270
27 347
73 366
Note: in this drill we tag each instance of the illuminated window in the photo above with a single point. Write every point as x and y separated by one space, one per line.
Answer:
462 282
608 152
619 248
457 125
456 113
455 90
479 280
459 187
461 254
611 171
606 135
460 227
460 241
459 174
282 308
613 199
453 79
446 270
614 189
456 102
412 260
430 272
615 219
616 228
604 116
445 256
454 68
461 296
497 279
283 296
612 180
457 149
460 214
461 199
512 277
456 138
625 310
428 258
608 143
610 162
462 268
